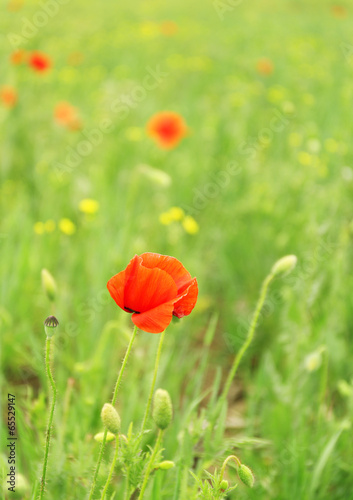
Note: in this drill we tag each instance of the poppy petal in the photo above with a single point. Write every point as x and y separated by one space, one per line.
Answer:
188 299
155 320
146 288
171 265
116 286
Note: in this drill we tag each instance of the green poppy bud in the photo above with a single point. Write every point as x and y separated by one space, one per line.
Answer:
165 465
49 325
284 265
49 284
99 437
246 476
162 409
224 485
110 418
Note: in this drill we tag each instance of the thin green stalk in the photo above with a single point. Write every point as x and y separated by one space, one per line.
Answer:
127 488
111 468
249 337
150 464
51 415
115 394
153 382
323 381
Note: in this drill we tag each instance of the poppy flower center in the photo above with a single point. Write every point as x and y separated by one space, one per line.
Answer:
168 129
131 310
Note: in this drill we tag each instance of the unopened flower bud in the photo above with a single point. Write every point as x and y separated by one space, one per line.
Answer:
165 465
246 476
162 409
110 418
284 266
49 325
224 485
49 284
99 437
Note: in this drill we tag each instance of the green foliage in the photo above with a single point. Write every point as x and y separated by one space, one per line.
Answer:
265 171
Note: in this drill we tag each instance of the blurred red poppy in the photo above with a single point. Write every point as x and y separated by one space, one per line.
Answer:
168 28
18 56
39 61
167 128
265 66
67 115
8 96
153 288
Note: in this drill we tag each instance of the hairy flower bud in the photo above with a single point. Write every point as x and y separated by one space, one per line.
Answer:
110 418
246 476
99 437
284 265
165 465
49 284
224 485
49 325
162 409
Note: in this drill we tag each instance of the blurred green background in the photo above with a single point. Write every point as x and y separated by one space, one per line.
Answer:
266 170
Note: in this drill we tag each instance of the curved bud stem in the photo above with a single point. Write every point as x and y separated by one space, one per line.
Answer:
231 457
249 337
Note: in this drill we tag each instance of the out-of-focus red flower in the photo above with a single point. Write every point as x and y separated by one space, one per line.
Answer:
18 56
265 66
67 115
15 5
153 288
169 28
167 128
339 11
75 58
8 96
39 61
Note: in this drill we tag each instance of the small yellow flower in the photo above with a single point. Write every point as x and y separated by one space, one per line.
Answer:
49 226
89 206
305 158
39 228
331 145
190 225
176 213
67 226
295 139
134 134
165 219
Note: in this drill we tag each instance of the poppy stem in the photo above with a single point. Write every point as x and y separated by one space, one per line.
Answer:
51 415
143 426
150 464
115 394
249 337
111 467
231 457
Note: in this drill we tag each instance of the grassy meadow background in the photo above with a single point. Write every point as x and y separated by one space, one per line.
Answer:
266 170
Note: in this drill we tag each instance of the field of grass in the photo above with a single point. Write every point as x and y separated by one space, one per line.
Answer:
265 170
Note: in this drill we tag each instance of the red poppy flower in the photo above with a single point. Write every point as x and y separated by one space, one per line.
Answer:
18 57
265 66
39 61
153 288
167 128
8 96
67 115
